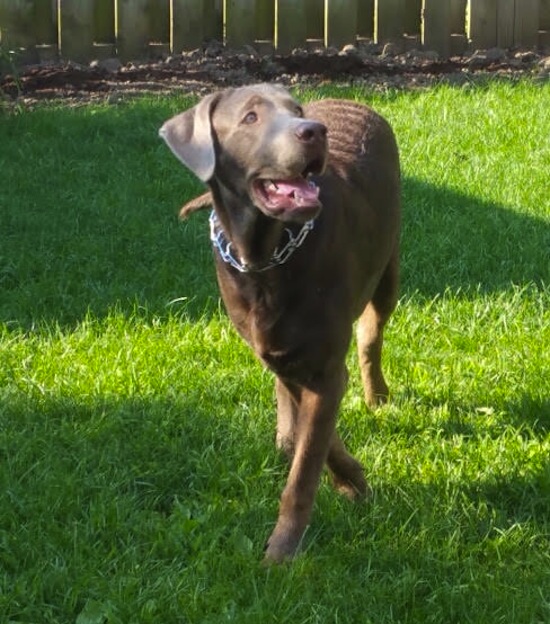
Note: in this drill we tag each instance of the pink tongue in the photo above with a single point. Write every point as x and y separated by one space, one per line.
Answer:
290 193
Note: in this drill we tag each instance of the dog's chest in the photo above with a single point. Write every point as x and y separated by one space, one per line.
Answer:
287 337
287 324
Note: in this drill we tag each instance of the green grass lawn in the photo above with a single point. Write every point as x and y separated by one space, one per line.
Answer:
138 474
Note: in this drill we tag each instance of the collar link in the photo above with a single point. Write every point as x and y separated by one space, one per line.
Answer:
279 257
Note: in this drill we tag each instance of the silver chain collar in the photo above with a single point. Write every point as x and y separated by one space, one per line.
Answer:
280 256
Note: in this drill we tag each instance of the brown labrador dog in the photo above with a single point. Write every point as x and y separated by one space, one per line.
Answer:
305 230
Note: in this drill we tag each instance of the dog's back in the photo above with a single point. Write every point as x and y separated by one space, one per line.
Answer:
360 191
358 136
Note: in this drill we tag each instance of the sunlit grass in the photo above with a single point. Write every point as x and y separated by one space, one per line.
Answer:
138 473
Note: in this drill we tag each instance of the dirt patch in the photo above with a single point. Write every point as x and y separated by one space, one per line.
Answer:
200 71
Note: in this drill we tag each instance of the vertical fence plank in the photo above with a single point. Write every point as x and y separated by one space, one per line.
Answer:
265 20
505 23
240 22
26 23
291 25
458 16
45 22
315 19
526 23
340 22
365 19
412 17
544 18
16 23
482 19
459 41
132 29
436 26
213 20
104 21
186 25
158 19
388 20
76 32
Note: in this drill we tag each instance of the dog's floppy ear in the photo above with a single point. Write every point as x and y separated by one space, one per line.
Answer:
189 136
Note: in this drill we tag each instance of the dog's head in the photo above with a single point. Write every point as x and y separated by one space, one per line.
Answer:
256 142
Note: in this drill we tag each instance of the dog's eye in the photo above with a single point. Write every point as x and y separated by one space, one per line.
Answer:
299 111
250 118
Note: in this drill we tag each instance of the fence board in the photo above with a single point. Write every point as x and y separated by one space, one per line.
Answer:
104 21
26 23
240 22
158 13
315 19
340 22
265 20
436 26
77 29
482 20
544 15
526 23
186 25
45 22
365 18
213 20
505 23
388 20
291 25
132 28
412 17
458 16
16 21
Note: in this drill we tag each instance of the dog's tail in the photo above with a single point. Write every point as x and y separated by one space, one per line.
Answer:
199 203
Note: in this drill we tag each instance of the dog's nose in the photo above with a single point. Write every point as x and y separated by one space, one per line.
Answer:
311 132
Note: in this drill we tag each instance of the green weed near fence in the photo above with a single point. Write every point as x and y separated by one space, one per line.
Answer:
138 471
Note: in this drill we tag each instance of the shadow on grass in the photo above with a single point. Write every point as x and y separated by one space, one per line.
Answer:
56 270
451 240
154 490
118 487
156 453
531 413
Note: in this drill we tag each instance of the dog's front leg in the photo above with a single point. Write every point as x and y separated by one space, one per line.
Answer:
288 403
316 418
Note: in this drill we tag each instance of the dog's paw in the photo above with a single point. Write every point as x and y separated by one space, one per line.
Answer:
356 489
282 546
376 394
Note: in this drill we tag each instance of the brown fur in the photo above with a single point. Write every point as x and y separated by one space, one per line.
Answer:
298 317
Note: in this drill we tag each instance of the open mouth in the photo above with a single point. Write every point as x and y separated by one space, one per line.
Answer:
294 197
281 195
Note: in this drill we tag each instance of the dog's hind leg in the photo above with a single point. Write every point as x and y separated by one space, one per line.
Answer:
347 473
370 330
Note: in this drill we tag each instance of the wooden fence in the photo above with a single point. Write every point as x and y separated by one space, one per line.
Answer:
81 30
